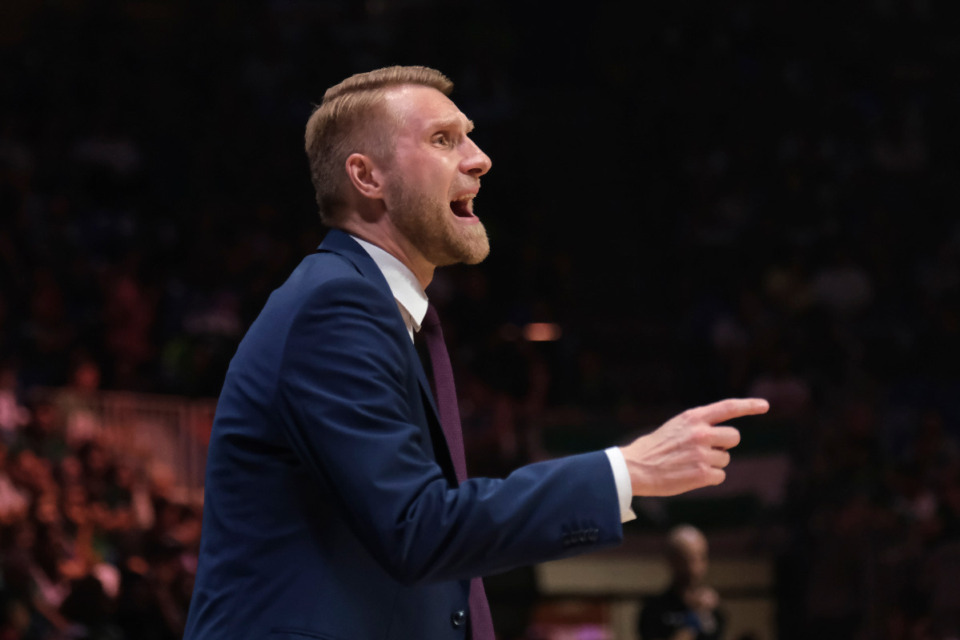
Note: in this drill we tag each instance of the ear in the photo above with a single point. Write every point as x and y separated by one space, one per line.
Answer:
364 176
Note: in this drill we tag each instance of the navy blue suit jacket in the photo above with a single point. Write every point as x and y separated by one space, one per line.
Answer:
330 512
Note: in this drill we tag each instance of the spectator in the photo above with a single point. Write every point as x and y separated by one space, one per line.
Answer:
689 609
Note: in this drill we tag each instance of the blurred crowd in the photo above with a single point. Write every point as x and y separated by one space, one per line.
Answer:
93 542
718 199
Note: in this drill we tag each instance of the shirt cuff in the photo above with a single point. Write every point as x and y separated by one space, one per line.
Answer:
621 476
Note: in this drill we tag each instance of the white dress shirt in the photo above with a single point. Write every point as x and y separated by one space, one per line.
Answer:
412 301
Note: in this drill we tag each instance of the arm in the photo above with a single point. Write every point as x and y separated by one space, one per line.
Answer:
345 402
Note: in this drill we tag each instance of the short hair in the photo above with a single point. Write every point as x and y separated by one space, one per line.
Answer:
351 119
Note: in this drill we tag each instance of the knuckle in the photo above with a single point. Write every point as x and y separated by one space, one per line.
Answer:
700 435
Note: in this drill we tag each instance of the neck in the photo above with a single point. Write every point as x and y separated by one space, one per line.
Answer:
386 236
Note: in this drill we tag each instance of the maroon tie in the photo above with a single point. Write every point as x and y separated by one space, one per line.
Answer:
481 624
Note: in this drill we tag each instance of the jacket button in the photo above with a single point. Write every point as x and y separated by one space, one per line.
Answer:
458 618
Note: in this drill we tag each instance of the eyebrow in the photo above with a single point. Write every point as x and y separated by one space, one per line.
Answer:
448 123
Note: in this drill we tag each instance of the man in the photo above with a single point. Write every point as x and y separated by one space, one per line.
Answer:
689 608
337 504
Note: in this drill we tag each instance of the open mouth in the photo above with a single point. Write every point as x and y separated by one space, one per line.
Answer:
462 207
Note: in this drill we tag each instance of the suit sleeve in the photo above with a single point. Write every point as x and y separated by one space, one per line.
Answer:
343 400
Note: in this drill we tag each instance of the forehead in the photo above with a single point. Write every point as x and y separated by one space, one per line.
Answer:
689 542
418 107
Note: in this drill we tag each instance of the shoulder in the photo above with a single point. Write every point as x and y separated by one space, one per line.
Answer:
327 297
331 278
668 598
332 304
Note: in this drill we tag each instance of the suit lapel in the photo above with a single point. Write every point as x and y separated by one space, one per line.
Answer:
342 244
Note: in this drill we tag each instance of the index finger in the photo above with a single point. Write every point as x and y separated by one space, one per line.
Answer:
732 408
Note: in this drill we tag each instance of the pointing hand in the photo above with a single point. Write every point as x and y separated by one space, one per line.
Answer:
688 451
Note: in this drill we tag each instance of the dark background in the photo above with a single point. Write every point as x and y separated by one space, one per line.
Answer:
709 199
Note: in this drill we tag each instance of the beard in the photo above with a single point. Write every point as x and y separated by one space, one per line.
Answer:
431 227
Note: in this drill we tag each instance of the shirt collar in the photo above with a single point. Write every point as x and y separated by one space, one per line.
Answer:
406 289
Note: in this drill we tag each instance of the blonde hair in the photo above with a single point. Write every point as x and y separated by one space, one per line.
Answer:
351 119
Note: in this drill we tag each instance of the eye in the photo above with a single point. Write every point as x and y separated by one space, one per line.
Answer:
442 139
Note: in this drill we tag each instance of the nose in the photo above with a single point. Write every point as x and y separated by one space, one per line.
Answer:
475 162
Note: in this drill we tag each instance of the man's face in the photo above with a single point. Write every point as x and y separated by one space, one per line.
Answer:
691 559
433 177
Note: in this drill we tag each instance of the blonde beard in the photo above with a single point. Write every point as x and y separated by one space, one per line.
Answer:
429 227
